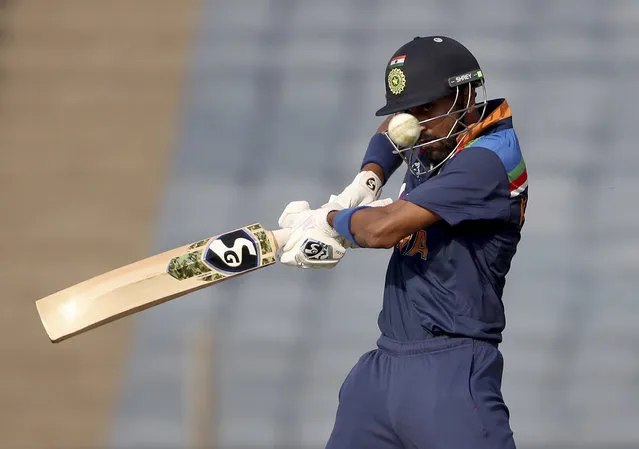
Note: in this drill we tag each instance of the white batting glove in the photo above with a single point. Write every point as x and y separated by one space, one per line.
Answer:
365 188
294 214
313 243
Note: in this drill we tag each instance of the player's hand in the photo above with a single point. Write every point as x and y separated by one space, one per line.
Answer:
365 188
297 212
313 242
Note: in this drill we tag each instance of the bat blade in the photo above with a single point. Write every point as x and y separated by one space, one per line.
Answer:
155 280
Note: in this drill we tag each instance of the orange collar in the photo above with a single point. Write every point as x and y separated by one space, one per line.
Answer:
499 113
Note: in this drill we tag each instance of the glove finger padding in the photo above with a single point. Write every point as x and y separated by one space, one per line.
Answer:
293 214
293 241
288 258
333 200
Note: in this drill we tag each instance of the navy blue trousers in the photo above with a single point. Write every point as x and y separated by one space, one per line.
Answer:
441 393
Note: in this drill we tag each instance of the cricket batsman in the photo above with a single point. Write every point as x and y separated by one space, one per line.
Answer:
434 381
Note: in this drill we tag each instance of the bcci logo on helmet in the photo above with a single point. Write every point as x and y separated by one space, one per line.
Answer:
396 81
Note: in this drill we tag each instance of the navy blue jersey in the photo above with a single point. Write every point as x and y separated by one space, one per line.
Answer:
449 278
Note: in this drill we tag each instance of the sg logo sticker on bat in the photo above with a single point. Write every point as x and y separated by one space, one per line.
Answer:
233 252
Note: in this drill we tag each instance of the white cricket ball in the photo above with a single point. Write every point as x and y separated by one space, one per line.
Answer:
404 130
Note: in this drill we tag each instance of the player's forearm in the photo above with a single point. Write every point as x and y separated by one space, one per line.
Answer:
370 227
373 228
381 227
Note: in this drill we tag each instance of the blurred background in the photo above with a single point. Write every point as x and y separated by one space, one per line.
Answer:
128 127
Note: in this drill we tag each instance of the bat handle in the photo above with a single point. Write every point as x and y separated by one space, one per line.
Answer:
281 236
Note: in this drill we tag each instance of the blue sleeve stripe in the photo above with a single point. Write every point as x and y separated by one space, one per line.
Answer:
505 145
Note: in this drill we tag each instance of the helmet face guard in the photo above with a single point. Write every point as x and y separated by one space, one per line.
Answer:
414 156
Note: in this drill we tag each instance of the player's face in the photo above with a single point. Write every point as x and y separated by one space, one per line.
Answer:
437 128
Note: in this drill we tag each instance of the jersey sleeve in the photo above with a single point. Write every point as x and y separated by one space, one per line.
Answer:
381 152
472 186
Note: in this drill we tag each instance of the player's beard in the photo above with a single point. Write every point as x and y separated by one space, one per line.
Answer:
437 152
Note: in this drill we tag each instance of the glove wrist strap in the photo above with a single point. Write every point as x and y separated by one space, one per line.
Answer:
342 224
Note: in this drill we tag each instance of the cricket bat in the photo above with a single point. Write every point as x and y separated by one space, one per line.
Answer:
157 279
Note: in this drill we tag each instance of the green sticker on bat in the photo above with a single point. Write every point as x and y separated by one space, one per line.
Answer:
199 244
187 266
265 243
213 277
